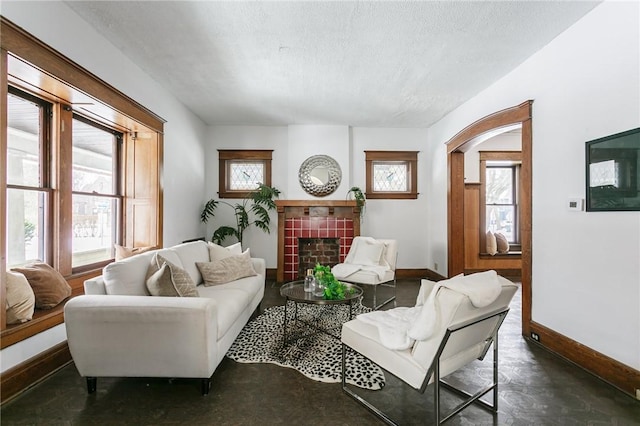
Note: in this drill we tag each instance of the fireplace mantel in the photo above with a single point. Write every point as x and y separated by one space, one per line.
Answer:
336 219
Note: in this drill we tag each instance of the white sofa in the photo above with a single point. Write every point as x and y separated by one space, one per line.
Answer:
118 330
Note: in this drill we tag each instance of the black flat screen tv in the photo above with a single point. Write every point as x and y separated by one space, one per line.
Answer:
613 172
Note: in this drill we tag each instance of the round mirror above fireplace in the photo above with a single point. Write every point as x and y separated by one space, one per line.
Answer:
320 175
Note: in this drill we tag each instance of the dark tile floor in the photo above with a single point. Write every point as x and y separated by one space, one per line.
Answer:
536 388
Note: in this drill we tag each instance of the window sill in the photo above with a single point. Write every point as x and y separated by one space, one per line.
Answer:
43 319
510 255
391 195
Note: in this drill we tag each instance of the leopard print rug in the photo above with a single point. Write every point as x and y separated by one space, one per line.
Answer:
315 354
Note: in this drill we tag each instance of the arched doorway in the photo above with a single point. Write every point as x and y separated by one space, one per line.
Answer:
456 147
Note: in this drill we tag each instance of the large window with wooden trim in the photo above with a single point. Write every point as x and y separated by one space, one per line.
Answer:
392 174
82 165
242 170
499 207
97 199
29 189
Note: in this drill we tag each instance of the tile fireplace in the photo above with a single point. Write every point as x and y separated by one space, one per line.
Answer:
322 223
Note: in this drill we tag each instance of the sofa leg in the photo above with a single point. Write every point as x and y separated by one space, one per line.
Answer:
256 312
206 385
92 383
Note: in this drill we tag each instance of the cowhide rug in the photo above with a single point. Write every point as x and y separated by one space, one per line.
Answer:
314 354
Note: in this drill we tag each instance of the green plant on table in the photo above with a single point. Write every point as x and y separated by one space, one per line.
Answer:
333 289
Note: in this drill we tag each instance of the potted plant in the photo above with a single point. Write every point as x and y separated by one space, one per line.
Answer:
257 204
355 193
332 288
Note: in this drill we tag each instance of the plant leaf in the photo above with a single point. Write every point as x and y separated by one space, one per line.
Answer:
242 217
209 210
223 232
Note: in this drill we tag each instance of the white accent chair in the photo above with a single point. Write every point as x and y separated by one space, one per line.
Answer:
463 334
370 262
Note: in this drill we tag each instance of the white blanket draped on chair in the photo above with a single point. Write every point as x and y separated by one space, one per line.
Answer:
399 328
344 270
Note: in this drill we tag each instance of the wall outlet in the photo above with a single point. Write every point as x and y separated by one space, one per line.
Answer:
535 337
435 266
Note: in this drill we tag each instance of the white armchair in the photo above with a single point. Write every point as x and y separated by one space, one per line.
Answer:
370 262
449 331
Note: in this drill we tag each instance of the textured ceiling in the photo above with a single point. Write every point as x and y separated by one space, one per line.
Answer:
378 64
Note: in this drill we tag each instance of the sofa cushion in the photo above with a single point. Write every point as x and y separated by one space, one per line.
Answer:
128 276
217 252
49 286
124 252
231 301
170 255
20 298
168 279
226 270
189 254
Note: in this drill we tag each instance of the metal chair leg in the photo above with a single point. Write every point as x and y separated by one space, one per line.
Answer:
375 306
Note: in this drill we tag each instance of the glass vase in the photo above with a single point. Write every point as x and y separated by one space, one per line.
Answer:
318 288
309 283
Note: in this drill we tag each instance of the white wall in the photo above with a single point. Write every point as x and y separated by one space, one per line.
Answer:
306 141
404 220
293 144
59 27
248 137
501 142
586 273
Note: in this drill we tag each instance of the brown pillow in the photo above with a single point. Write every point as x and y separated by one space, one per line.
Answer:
124 252
49 286
20 298
226 270
502 243
167 279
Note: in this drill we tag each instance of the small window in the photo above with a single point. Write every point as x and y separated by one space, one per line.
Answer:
241 171
392 174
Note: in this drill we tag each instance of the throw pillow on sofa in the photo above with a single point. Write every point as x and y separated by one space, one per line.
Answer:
49 286
20 298
170 280
217 252
226 270
502 243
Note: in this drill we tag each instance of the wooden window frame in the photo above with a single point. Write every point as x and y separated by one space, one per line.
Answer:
45 167
410 158
118 173
33 67
227 156
485 156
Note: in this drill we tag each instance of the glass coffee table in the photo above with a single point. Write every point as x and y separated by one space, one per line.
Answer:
294 293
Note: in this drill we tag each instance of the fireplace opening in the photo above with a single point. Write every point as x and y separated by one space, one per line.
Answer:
325 251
